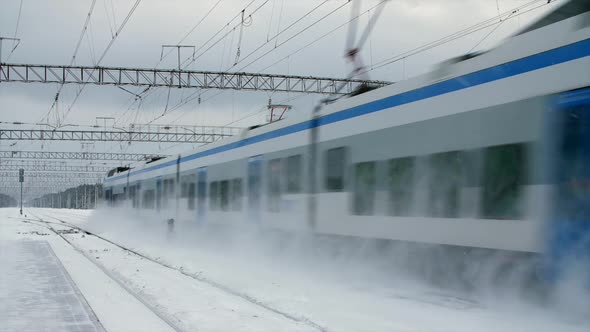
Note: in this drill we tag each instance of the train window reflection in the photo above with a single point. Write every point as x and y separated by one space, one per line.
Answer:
504 173
184 184
293 173
191 189
236 194
148 199
401 185
214 196
334 169
364 188
224 195
446 179
274 185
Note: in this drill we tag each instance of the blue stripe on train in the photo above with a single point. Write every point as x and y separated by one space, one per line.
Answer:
534 62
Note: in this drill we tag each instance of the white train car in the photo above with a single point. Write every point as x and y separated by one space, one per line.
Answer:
451 157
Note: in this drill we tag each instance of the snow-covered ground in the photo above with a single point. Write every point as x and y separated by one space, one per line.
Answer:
248 282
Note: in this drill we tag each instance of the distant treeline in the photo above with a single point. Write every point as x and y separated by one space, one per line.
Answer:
7 201
85 196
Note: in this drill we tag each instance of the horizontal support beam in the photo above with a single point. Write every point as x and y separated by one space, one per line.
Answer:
48 187
30 180
118 136
55 175
39 155
55 168
28 73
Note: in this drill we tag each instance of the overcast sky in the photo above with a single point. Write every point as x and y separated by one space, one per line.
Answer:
49 31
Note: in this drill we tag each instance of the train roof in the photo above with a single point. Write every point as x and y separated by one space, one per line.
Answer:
565 11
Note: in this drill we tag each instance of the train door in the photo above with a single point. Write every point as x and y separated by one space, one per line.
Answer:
158 193
201 193
254 187
569 224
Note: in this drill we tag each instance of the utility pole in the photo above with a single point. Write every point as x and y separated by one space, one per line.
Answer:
21 179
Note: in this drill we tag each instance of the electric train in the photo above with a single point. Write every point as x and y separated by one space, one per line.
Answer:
490 150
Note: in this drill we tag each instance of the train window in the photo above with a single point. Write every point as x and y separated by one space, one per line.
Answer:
293 172
158 194
364 188
132 196
171 192
504 173
400 175
224 195
446 180
165 192
334 170
254 182
202 187
191 188
274 185
236 194
214 195
184 183
148 199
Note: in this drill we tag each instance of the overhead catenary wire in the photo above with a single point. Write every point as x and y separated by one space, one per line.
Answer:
206 42
187 34
112 27
281 32
185 64
14 43
104 53
280 18
203 45
296 34
90 42
192 97
318 39
488 34
76 49
462 33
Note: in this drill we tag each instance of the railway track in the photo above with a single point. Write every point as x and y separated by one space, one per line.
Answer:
71 229
41 220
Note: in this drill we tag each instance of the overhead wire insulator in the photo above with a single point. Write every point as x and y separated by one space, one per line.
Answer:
245 23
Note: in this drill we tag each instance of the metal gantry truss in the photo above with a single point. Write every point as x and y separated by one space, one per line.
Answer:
41 167
204 134
49 186
39 155
51 180
88 177
28 73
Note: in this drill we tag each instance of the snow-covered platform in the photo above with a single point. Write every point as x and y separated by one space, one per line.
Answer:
37 292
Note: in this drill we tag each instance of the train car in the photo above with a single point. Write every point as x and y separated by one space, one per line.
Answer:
465 155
